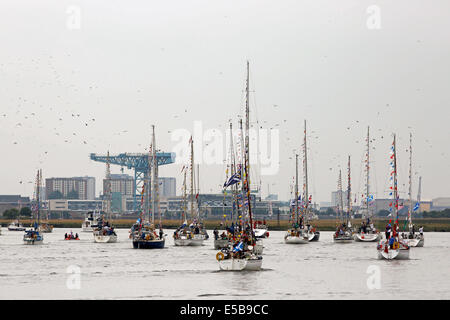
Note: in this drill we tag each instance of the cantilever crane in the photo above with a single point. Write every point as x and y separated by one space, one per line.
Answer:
139 162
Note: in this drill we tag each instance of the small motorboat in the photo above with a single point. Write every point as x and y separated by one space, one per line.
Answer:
71 236
16 226
90 221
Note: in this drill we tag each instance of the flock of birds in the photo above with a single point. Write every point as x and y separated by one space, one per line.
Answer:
94 132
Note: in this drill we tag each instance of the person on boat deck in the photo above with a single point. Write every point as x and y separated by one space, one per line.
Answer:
76 235
161 233
413 229
388 231
197 230
421 230
216 233
391 242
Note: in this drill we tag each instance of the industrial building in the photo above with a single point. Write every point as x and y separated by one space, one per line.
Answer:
82 187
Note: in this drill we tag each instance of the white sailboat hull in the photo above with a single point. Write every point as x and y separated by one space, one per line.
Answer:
189 242
258 248
232 264
416 242
311 235
32 241
16 228
401 253
343 239
260 233
221 243
87 229
295 240
105 239
367 237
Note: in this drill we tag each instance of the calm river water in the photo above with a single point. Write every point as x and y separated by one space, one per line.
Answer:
318 270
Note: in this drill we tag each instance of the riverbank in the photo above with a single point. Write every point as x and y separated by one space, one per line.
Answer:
429 224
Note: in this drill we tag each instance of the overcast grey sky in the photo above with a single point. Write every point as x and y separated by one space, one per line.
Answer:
134 63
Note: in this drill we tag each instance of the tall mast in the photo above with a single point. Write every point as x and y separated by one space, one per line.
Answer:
247 145
192 178
410 182
38 197
232 171
340 197
305 170
198 191
296 187
395 191
154 193
349 192
243 172
108 188
147 188
184 197
367 172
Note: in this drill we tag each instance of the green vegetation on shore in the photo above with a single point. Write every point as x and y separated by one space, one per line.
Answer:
429 224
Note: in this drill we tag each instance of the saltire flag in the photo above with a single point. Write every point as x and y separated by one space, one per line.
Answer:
235 178
239 247
184 224
416 207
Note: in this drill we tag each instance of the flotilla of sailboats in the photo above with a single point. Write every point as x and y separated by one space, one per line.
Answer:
240 245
